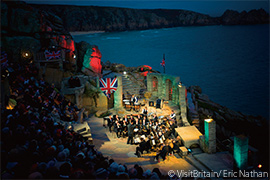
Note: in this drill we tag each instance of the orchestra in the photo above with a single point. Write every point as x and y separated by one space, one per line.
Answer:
148 131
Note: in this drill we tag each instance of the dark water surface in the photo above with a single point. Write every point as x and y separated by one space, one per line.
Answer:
230 63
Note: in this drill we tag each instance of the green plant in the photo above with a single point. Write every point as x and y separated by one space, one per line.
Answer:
93 83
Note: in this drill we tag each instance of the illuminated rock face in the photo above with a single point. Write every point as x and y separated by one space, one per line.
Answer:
92 61
95 60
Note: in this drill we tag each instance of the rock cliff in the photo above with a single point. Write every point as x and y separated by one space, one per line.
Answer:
92 18
25 28
231 17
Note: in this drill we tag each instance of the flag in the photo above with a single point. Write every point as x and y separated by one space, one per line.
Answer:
108 85
163 61
4 60
52 55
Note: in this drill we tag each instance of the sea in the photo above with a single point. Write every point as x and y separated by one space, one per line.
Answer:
229 63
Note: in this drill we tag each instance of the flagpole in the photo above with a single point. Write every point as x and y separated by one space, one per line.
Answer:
164 64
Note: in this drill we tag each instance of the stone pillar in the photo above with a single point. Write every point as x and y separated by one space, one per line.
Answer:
161 84
210 134
182 100
241 151
175 90
118 97
149 82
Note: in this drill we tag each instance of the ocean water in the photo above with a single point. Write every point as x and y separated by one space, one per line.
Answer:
229 63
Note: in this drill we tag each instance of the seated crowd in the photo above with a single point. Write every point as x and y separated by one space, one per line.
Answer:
150 132
34 145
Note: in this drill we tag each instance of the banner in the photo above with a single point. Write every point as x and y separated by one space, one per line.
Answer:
108 85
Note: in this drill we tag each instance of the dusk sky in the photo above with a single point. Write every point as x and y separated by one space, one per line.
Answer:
211 7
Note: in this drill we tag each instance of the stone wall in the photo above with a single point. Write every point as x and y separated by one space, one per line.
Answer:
183 104
163 86
54 76
118 98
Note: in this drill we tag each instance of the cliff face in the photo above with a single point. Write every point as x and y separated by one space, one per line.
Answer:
231 17
87 18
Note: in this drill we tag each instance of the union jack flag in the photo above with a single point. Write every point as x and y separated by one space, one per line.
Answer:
108 85
4 60
52 55
163 61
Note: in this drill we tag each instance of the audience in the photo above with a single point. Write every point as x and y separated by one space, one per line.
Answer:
35 145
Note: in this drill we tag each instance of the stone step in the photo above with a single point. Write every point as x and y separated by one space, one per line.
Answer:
84 133
89 135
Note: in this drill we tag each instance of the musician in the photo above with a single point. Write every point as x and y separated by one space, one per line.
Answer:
118 128
144 126
116 118
177 144
161 137
130 128
144 130
167 133
165 150
110 123
150 124
172 115
144 111
155 118
133 100
136 130
156 126
144 121
125 131
124 124
125 118
172 127
132 119
136 121
140 117
142 146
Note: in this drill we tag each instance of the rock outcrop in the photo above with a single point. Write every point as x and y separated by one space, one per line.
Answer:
231 17
89 58
25 28
93 18
229 122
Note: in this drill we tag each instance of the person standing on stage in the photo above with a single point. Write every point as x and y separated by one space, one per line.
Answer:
130 128
144 111
110 123
133 100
